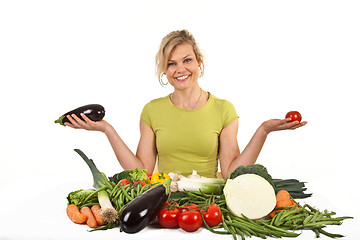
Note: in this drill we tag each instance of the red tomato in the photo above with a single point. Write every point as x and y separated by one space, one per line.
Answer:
191 206
142 183
170 202
190 221
168 218
149 176
213 215
124 181
294 115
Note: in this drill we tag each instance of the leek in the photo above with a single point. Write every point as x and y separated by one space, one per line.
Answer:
108 212
196 183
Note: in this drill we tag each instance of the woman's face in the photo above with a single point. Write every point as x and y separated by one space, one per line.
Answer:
182 67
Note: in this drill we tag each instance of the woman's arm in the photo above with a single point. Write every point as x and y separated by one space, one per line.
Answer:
229 153
146 152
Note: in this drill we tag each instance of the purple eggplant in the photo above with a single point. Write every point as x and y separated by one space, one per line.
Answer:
94 112
140 211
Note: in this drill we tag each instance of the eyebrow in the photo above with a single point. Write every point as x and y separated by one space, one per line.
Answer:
182 58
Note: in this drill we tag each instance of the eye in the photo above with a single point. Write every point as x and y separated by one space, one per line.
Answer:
171 64
187 60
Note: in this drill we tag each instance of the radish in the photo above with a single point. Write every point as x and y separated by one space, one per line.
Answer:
249 195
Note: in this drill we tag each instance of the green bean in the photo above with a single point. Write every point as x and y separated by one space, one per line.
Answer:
126 194
330 234
321 223
121 199
295 217
113 191
221 201
317 232
291 213
195 196
211 229
283 232
138 189
278 220
144 188
311 208
307 219
252 225
118 193
93 193
245 232
239 232
227 228
132 193
204 194
334 219
107 226
224 210
294 223
118 203
232 231
246 219
328 214
282 208
243 227
315 217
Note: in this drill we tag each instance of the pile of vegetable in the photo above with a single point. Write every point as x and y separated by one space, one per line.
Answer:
248 203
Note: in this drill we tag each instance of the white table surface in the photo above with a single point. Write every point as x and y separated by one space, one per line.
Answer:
38 212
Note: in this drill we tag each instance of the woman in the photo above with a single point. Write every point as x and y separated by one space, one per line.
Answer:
189 129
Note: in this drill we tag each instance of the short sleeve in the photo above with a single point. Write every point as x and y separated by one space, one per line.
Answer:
145 116
229 113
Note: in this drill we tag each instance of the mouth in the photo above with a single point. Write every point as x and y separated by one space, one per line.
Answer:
182 78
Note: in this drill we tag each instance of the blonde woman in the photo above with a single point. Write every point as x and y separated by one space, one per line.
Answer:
189 129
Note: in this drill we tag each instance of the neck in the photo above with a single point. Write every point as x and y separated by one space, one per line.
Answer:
190 99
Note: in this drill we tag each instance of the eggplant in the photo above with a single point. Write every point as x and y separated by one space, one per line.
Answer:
95 112
143 209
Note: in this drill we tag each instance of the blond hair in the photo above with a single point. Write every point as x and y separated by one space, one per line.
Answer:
168 43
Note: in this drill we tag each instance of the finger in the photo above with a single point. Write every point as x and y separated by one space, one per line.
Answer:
70 125
80 122
282 123
287 119
77 119
301 124
72 122
292 125
86 119
71 119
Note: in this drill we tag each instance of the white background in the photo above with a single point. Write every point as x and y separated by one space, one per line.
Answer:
266 57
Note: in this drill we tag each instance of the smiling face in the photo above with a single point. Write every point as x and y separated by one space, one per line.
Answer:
182 69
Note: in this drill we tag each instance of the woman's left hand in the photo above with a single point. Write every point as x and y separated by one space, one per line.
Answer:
281 124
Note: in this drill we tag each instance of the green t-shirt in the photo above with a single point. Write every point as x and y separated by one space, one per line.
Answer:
188 139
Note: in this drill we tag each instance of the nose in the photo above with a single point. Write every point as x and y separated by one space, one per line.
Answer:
180 68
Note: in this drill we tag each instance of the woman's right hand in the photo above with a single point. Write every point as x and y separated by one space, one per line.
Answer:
87 123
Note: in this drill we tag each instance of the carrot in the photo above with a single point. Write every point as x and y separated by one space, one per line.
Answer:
96 212
282 194
283 199
73 213
284 203
272 214
91 222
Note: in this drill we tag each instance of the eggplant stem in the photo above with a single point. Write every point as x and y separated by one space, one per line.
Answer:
60 120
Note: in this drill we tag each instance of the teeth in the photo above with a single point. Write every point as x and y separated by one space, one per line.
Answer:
182 78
